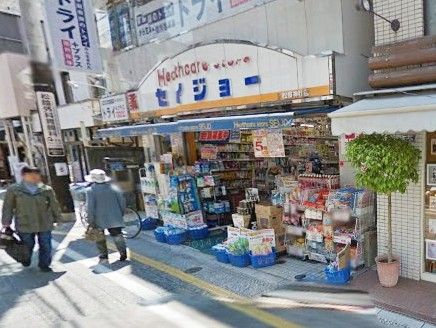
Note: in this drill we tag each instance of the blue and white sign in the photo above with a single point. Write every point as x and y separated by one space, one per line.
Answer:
73 35
163 19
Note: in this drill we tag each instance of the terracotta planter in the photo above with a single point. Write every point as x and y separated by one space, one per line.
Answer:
388 273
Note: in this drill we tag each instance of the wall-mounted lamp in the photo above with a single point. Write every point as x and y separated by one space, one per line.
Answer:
368 6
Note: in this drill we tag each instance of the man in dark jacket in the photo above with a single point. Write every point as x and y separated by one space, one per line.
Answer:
34 209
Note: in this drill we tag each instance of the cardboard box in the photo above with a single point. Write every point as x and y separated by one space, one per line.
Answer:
241 221
266 210
272 222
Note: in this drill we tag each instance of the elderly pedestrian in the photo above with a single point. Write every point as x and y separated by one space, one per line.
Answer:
106 206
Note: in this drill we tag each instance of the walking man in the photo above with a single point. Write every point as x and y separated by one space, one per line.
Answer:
33 207
106 206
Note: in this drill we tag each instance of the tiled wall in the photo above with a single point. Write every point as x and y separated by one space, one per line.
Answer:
407 213
410 13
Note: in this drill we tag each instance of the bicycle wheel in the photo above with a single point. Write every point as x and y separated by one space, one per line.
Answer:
132 221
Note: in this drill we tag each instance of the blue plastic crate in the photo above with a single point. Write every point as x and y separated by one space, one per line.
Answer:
240 261
160 236
261 261
196 234
148 224
176 239
222 256
337 277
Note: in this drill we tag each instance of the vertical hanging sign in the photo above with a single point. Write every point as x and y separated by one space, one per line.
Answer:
73 34
50 123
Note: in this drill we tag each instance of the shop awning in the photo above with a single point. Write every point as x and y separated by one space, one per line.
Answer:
242 122
388 114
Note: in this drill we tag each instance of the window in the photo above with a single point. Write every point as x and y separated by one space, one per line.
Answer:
430 17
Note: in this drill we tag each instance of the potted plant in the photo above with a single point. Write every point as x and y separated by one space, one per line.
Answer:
385 164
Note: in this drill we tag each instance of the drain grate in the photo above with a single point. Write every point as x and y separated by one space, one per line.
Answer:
193 270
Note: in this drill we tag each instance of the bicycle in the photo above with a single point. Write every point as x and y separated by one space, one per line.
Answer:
131 218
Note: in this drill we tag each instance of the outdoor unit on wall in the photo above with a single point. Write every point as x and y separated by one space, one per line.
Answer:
17 97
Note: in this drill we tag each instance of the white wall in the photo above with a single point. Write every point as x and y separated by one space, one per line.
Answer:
351 67
306 27
407 220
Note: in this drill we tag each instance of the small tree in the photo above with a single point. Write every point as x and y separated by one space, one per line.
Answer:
384 164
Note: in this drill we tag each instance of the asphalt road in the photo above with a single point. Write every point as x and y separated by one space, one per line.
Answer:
82 293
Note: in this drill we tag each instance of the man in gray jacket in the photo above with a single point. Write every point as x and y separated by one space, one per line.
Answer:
33 207
106 206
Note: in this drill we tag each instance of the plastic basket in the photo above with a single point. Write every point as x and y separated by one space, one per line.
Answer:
176 239
148 224
196 234
222 256
261 261
160 236
337 277
240 261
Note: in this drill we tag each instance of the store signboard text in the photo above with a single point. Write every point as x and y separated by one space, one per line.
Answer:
114 108
231 74
74 35
50 123
163 19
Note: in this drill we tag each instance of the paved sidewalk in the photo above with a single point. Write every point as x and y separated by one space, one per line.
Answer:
414 298
251 282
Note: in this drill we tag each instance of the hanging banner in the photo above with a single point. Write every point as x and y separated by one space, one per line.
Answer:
50 123
268 143
132 104
114 108
73 35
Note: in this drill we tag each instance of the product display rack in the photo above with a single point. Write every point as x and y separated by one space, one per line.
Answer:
149 190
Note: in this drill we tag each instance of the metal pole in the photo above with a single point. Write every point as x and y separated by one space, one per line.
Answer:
25 122
31 13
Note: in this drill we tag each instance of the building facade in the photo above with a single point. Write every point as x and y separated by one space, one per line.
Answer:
403 105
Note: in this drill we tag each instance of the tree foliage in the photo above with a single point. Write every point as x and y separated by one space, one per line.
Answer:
383 163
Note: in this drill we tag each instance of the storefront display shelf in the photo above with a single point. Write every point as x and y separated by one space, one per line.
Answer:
295 230
296 251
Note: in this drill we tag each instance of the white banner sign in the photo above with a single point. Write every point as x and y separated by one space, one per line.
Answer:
50 123
114 108
73 33
231 74
163 19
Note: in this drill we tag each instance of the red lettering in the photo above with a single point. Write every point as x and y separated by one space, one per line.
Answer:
194 68
161 77
168 76
187 70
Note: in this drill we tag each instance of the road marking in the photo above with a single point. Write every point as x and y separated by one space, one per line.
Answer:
242 305
230 299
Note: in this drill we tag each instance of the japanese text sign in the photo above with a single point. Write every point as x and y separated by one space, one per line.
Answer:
268 143
114 108
73 33
50 123
163 19
229 74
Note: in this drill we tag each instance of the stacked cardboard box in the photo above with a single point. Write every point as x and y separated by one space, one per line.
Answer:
270 217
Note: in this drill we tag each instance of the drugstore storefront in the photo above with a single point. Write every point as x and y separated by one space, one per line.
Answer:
248 124
409 113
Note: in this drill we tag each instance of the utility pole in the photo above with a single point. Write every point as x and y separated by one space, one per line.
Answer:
44 86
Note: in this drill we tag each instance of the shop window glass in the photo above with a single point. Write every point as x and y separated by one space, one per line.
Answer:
430 210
